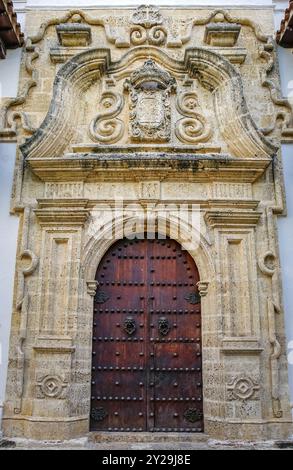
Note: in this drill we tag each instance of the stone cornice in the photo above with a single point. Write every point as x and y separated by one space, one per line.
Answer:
163 166
232 218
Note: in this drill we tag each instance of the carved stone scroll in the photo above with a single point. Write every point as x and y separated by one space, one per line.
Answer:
194 128
106 127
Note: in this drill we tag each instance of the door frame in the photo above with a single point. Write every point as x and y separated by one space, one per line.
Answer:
98 246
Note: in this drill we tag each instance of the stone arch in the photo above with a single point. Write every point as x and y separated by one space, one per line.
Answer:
99 244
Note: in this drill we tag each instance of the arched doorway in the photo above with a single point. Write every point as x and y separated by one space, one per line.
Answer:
147 361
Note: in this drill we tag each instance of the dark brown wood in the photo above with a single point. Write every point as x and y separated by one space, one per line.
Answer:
11 36
147 340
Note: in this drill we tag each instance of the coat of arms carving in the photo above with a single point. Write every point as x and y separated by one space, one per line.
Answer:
150 88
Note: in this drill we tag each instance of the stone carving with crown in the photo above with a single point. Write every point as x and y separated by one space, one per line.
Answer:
150 88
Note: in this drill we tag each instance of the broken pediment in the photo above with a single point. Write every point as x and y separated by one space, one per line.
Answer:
148 103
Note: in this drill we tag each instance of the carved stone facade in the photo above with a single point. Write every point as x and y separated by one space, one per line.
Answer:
153 107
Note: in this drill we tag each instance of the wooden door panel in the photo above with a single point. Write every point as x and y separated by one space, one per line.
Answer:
178 416
147 340
177 355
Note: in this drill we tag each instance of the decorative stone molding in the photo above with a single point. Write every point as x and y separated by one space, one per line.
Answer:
232 218
275 356
74 35
92 287
54 345
243 388
62 212
150 190
222 34
23 305
51 386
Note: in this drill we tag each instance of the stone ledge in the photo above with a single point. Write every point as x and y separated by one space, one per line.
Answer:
117 167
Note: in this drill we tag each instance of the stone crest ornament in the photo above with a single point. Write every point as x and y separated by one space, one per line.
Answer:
101 297
129 326
193 415
99 414
242 388
164 326
150 88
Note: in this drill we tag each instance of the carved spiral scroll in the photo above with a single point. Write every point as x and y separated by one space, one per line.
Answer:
193 128
105 127
138 35
157 35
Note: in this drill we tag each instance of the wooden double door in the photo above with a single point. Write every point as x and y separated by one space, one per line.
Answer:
147 356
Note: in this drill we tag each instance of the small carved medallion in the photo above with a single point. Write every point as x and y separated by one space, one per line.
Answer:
193 298
193 415
129 326
164 326
101 297
51 386
99 414
150 88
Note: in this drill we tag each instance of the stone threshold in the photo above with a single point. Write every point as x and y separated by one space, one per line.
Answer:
150 437
144 441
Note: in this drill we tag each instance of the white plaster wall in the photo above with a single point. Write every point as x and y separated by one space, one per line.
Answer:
286 252
8 239
9 72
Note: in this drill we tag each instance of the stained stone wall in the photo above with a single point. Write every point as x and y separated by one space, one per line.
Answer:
173 107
